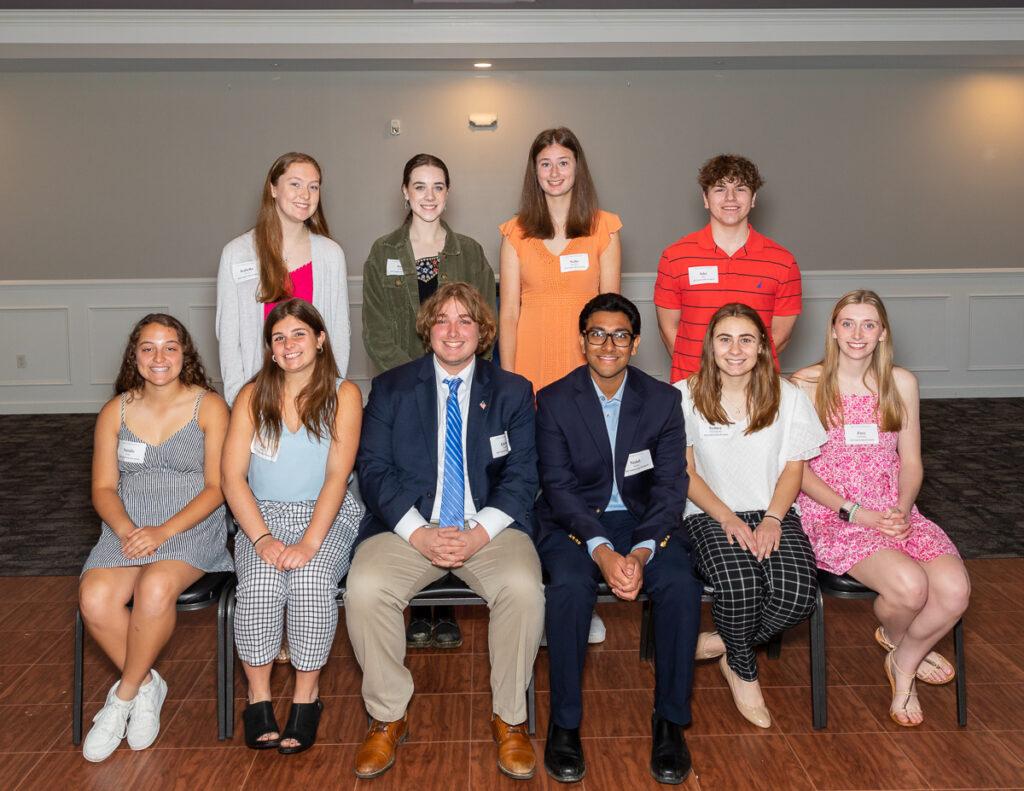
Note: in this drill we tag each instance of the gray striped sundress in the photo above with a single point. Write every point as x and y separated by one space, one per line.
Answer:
154 490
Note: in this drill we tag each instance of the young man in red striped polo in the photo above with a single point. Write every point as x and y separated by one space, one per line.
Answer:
726 261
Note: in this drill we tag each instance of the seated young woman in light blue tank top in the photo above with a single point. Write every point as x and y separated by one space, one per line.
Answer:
290 449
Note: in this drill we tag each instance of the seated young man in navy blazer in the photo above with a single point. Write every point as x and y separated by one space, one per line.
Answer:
612 452
448 471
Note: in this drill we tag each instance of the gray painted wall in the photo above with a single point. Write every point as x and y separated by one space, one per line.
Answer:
113 175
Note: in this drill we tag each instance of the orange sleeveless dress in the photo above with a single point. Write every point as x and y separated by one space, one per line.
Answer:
553 291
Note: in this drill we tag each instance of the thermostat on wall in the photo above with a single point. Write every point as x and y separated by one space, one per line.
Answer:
483 120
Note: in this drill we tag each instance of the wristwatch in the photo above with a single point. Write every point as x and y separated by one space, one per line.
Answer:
847 510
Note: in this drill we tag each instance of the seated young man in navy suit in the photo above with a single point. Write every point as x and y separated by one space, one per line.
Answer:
612 452
448 471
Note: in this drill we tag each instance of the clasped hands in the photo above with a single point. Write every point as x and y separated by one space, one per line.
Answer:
285 557
761 542
623 573
448 547
143 541
891 522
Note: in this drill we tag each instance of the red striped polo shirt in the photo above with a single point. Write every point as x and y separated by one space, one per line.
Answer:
762 274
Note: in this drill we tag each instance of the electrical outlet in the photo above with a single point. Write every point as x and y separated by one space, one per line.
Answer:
21 361
396 126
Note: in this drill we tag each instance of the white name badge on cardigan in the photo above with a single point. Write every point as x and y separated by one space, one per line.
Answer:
131 452
861 433
500 446
712 430
638 462
703 274
394 268
576 262
246 270
260 449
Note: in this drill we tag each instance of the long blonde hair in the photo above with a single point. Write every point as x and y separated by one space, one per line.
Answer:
764 390
827 401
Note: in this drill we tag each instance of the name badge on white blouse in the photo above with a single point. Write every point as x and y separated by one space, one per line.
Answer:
577 262
638 462
861 433
246 270
500 446
261 450
703 274
712 430
130 452
395 268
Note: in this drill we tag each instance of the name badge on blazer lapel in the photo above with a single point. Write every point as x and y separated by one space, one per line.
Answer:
500 446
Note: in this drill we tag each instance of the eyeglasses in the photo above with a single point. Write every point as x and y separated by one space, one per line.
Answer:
597 337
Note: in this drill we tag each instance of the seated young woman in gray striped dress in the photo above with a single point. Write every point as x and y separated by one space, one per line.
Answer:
290 449
156 486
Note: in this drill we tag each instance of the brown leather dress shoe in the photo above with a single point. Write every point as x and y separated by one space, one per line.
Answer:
515 753
377 752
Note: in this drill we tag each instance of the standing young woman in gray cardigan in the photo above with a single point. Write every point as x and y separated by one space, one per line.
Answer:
288 254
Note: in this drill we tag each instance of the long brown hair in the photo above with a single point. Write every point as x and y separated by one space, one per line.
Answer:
129 380
317 403
827 401
534 218
764 390
274 283
474 303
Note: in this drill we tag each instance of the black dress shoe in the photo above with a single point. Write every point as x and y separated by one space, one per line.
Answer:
446 633
563 754
420 632
670 759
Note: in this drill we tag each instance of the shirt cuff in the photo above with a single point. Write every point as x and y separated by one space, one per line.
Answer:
409 523
493 520
594 543
648 544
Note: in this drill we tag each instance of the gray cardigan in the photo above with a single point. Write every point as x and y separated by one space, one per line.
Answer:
240 315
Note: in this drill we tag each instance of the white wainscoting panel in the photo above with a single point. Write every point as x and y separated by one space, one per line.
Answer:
960 330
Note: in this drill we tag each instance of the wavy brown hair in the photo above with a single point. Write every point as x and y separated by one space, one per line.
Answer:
130 381
317 403
764 390
729 167
274 282
474 303
534 218
877 378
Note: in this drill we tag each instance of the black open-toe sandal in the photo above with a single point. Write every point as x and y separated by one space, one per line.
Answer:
259 720
303 721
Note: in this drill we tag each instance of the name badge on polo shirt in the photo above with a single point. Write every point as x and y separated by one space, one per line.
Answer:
577 262
130 452
638 462
500 446
861 433
703 274
246 270
260 449
394 268
712 430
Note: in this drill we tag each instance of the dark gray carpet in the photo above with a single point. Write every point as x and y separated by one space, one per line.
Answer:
973 458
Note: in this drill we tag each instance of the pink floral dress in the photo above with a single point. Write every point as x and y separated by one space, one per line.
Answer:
869 475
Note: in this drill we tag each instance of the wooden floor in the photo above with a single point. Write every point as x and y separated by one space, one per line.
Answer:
450 746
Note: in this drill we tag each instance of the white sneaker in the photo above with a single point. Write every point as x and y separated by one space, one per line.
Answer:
144 724
108 728
597 630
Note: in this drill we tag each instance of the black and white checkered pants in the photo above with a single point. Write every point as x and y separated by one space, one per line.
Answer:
754 600
308 592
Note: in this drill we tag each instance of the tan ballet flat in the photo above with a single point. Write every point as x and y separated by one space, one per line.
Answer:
704 651
758 715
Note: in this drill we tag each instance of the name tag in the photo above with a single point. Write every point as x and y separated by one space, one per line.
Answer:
131 452
260 449
861 433
500 446
577 262
247 270
638 462
703 274
712 430
394 268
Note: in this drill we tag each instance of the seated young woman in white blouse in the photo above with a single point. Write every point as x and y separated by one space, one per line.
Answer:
748 433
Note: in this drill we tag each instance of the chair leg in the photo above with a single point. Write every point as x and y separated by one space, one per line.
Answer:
229 667
222 705
819 680
961 673
775 646
76 706
531 707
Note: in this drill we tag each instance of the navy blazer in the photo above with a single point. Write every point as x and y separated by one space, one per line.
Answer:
576 459
397 459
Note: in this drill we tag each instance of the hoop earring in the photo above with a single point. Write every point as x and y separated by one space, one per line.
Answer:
407 204
319 349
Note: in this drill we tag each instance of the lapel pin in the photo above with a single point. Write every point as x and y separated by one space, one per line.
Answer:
483 405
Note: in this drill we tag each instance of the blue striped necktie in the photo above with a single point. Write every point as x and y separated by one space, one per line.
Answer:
453 491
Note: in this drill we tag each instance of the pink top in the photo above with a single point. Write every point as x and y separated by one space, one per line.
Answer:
302 286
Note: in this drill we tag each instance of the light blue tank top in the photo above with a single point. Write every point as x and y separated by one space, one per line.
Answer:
297 474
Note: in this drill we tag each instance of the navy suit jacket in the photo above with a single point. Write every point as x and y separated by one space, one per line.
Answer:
576 459
397 459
